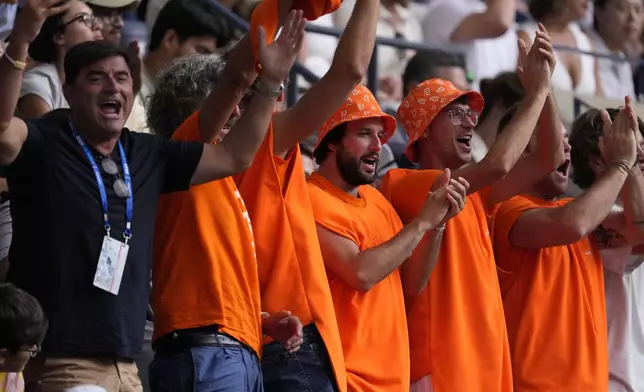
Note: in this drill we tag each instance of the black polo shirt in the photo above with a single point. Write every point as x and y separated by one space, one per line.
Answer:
59 230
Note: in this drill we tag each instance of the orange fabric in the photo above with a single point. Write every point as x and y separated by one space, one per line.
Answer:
291 270
205 270
457 328
554 307
423 103
266 14
372 324
359 105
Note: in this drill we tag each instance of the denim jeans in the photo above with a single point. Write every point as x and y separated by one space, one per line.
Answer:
206 369
307 370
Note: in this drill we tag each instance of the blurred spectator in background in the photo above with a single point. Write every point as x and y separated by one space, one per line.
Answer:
42 85
500 94
23 326
7 15
483 31
6 230
243 8
575 72
308 161
110 12
183 27
616 24
424 66
395 22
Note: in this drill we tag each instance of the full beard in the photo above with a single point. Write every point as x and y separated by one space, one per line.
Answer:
349 169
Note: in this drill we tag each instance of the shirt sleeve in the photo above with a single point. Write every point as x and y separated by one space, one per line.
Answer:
506 216
181 161
31 152
443 17
36 83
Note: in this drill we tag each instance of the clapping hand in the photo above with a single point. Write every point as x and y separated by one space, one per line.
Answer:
284 328
446 201
619 142
31 18
535 66
276 59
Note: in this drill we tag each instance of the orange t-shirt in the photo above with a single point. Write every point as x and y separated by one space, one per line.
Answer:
373 326
554 307
205 270
457 329
291 269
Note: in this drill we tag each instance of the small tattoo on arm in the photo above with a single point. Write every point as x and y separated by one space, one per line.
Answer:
607 238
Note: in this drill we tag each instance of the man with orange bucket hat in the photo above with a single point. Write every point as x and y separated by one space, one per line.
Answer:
457 329
364 243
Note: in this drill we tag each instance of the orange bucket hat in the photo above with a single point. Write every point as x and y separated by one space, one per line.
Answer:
359 105
266 14
424 102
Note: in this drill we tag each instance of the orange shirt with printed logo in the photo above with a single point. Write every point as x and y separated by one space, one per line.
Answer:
205 270
457 328
372 324
554 306
291 270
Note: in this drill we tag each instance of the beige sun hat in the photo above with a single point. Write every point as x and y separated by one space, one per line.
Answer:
113 3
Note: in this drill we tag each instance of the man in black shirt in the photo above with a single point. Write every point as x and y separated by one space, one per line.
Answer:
84 197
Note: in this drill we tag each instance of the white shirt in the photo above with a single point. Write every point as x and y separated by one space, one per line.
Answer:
615 77
485 58
44 82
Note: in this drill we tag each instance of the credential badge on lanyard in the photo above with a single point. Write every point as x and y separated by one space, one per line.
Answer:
111 260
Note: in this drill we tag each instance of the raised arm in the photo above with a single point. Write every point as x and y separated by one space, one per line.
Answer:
13 131
544 227
364 269
548 156
235 153
349 66
510 145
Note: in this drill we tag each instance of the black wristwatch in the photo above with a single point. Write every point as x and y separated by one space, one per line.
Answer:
262 89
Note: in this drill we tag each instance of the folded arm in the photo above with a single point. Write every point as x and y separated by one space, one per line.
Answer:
364 269
350 63
545 227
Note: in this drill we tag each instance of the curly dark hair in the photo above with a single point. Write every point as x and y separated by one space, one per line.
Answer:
584 143
542 9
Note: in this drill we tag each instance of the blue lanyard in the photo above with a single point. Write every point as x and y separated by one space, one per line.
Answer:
129 204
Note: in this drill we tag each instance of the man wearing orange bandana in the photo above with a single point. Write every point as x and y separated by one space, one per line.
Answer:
290 267
457 330
364 243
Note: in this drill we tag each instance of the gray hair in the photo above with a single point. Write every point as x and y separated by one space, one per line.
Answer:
181 88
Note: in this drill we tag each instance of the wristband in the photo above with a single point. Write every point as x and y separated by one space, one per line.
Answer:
19 65
262 89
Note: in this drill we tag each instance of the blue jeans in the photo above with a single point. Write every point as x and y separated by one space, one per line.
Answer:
206 369
307 370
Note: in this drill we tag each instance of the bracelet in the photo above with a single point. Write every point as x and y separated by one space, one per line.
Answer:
622 166
440 228
19 65
262 89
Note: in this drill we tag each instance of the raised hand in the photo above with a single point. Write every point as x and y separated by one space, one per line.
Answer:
535 66
31 18
456 196
619 143
277 58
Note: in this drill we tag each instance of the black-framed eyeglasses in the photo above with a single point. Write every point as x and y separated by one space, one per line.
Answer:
89 20
119 186
33 352
458 115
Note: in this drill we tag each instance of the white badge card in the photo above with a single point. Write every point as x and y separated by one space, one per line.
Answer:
111 264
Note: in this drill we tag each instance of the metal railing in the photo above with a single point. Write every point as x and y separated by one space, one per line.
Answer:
372 74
